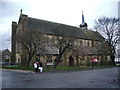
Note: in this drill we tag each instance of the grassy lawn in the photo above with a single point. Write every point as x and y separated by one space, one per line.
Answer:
58 68
17 67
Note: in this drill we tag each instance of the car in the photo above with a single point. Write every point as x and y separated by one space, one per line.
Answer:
117 61
5 63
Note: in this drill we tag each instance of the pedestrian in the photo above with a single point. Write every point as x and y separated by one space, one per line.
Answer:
40 66
36 66
95 61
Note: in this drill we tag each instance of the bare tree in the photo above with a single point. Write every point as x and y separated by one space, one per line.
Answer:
31 41
80 51
108 27
63 42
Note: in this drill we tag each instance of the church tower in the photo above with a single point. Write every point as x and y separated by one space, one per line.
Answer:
84 24
14 27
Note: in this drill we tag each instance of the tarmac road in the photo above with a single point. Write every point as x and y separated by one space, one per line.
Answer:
100 78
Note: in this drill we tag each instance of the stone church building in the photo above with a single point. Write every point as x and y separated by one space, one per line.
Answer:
83 38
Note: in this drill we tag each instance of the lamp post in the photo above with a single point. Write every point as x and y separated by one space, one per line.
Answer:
8 43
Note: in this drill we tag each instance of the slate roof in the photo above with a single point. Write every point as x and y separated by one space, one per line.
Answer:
51 50
52 28
94 51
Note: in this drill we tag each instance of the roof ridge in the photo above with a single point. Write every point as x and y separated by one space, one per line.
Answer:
53 22
62 24
3 50
54 28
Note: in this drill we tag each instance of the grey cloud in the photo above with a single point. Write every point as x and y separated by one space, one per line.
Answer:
8 9
12 9
6 40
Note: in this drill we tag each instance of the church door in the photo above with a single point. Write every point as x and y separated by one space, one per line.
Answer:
71 61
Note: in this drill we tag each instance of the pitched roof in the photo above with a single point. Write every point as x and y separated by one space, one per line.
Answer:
1 51
52 28
51 50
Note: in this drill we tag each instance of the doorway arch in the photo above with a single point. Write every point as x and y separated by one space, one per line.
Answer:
71 61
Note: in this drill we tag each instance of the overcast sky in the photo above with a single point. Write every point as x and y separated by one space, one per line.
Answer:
62 11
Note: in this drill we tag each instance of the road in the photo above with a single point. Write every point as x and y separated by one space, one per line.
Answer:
100 78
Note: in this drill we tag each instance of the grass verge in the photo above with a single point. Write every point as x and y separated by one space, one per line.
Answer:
58 68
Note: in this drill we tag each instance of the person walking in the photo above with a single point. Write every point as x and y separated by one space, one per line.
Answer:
92 62
95 61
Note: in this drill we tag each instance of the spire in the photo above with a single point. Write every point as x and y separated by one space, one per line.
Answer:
21 12
83 21
83 25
